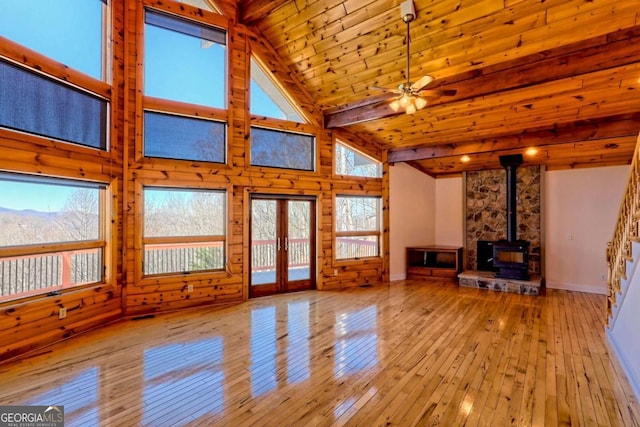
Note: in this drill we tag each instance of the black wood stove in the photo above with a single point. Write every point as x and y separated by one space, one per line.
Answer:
511 256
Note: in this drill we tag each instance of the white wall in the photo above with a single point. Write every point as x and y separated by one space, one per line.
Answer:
449 222
411 212
580 210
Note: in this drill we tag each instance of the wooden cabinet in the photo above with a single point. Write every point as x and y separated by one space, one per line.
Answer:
434 261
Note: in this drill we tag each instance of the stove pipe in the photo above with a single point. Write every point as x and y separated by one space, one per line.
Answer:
510 164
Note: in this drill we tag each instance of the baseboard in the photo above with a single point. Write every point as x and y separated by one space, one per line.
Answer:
401 276
629 373
591 289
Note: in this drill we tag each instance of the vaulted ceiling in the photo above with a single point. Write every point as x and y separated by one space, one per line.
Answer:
559 75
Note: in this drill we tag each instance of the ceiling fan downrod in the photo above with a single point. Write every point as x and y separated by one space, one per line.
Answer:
408 14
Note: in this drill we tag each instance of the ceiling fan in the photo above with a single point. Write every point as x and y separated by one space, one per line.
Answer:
411 96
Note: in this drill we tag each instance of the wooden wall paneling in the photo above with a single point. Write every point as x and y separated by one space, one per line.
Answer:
26 312
125 168
229 8
145 304
31 323
386 220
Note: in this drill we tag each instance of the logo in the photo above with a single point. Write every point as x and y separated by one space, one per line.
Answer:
31 416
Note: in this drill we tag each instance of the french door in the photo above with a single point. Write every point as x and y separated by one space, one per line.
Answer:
282 249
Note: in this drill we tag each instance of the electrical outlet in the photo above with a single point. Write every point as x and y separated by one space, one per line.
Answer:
335 271
189 288
62 313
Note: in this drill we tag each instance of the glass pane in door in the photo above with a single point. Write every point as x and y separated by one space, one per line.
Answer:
299 240
264 249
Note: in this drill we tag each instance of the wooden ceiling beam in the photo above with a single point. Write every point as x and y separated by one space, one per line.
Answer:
605 52
558 156
609 127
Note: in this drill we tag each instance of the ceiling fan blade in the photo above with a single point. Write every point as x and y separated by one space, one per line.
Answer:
437 92
424 81
383 89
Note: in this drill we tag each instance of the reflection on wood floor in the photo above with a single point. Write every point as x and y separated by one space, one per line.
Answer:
414 353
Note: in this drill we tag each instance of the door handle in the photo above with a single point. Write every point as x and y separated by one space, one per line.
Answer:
279 247
286 243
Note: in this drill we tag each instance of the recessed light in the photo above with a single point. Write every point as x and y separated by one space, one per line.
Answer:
531 151
465 159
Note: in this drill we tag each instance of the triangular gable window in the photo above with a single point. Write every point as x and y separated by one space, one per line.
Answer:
353 163
267 99
202 4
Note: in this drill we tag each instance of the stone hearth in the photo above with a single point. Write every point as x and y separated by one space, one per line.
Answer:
487 280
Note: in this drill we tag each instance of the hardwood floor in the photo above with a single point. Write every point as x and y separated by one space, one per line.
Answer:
414 353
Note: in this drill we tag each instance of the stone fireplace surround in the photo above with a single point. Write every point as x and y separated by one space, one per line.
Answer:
486 219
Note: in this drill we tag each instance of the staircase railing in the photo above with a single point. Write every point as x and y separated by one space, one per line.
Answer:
626 232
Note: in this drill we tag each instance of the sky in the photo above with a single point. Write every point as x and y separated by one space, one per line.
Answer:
72 40
39 197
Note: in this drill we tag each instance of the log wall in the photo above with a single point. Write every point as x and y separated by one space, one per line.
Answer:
32 323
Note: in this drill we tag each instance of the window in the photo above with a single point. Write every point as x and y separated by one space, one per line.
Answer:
42 106
184 138
68 31
51 234
184 230
350 162
279 149
184 61
267 99
357 227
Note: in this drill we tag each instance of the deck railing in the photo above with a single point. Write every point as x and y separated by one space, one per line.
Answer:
263 252
32 274
626 231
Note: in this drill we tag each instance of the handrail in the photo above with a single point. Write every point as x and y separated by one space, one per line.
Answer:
625 232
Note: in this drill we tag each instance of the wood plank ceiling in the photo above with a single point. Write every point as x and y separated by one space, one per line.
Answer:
559 75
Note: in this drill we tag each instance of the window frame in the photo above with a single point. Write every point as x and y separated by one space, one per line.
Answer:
225 148
67 87
141 276
337 142
144 102
102 242
37 63
254 58
366 233
306 130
